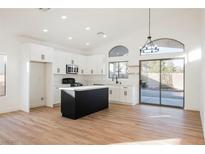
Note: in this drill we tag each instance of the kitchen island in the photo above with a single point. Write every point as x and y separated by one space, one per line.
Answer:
77 102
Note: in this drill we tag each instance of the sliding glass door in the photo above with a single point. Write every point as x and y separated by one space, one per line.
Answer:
150 82
172 82
162 82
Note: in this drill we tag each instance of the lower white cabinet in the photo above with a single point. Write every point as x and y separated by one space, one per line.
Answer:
122 94
126 94
114 93
57 96
57 92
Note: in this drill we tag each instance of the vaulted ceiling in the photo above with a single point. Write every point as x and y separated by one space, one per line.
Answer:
114 23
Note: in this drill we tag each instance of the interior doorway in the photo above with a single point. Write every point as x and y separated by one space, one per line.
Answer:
40 85
162 82
37 84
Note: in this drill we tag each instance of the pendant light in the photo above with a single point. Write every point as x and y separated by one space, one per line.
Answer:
149 46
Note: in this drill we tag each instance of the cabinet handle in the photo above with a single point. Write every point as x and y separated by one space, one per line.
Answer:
91 71
82 71
125 93
42 57
102 71
72 61
111 92
58 70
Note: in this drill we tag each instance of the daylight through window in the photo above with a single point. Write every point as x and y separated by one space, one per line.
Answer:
3 60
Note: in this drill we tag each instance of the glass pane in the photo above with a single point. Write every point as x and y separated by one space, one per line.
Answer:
123 70
113 69
172 82
150 82
2 75
118 51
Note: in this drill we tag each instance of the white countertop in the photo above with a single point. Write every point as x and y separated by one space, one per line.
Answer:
82 88
116 85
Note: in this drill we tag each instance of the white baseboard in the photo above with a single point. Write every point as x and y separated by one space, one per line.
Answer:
124 103
12 109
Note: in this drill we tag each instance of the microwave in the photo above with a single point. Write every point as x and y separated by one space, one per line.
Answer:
71 69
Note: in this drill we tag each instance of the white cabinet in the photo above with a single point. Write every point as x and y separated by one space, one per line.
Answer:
61 59
122 94
100 65
82 66
75 59
59 62
91 64
126 94
57 92
40 53
69 58
87 65
96 65
114 93
57 95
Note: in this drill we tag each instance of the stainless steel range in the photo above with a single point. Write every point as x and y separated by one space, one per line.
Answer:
71 82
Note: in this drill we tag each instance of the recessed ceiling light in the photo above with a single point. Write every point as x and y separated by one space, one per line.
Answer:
104 36
63 17
87 28
45 30
87 44
70 38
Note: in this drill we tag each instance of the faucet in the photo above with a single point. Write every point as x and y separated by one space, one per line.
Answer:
116 78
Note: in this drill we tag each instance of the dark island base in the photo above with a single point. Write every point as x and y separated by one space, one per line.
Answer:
84 102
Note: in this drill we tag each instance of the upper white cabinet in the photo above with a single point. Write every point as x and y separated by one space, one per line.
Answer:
96 65
81 61
71 58
59 62
87 65
40 53
62 58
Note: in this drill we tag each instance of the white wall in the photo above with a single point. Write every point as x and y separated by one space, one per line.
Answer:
184 27
202 108
10 46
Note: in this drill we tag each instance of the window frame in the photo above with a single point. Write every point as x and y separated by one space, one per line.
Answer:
117 46
158 39
118 69
5 76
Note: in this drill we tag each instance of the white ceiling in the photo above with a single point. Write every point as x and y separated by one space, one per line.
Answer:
115 23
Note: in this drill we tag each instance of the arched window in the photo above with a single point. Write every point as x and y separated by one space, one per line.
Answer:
167 45
118 51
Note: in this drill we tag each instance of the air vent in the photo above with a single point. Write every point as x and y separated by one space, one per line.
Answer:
44 9
102 34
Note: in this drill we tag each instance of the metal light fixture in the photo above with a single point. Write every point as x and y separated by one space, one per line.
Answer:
149 46
44 9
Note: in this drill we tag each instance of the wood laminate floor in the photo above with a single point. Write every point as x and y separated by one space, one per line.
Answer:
120 124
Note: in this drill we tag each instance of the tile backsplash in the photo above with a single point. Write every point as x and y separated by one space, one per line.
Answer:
95 79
